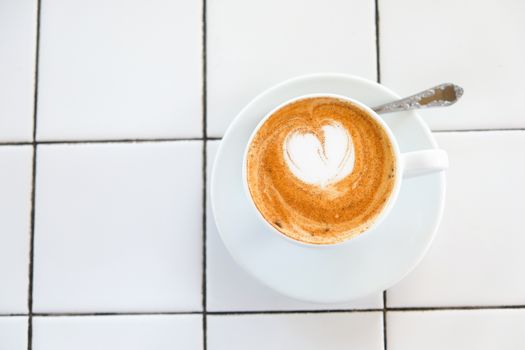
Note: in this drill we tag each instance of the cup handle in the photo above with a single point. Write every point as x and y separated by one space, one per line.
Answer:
424 162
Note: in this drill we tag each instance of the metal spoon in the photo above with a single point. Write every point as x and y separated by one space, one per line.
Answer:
442 95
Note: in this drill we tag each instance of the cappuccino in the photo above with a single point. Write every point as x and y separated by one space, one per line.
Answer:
320 170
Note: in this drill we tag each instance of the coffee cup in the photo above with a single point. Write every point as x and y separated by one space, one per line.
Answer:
407 165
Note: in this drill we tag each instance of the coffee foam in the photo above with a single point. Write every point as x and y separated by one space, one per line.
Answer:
320 170
320 159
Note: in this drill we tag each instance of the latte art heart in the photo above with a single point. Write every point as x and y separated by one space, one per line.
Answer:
320 161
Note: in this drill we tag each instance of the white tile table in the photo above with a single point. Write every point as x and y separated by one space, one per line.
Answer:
457 330
13 332
253 45
17 69
478 45
123 225
296 331
161 332
15 215
119 69
111 113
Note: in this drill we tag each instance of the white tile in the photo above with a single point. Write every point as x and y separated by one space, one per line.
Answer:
456 330
118 227
17 69
118 332
13 333
296 331
477 257
255 44
15 218
478 45
120 69
231 288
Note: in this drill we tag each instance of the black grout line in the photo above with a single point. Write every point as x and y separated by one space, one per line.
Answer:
271 312
33 183
152 140
31 253
204 246
204 331
287 312
384 321
204 175
87 314
75 142
30 333
455 308
13 315
378 56
37 61
22 143
378 75
123 140
478 130
204 74
32 234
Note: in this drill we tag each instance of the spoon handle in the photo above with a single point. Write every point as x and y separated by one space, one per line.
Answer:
442 95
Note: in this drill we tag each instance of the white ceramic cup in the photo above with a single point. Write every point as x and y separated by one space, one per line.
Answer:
409 164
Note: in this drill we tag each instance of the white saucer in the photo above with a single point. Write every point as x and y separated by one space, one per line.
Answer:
369 263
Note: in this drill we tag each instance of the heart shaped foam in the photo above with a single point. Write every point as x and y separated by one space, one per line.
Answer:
320 162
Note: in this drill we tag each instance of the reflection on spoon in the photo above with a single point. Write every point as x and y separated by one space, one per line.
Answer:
443 95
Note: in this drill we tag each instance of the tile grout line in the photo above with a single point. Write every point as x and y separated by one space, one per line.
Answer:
31 253
33 184
76 142
142 140
109 314
272 312
385 333
378 52
291 312
378 76
189 139
455 308
204 247
477 130
37 62
204 177
16 314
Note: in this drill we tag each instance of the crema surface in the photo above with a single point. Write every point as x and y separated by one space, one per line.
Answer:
320 170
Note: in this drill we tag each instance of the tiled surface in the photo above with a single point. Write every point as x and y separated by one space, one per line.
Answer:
118 332
268 41
293 331
13 333
457 330
17 68
118 233
476 44
477 257
118 227
15 207
119 69
229 287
